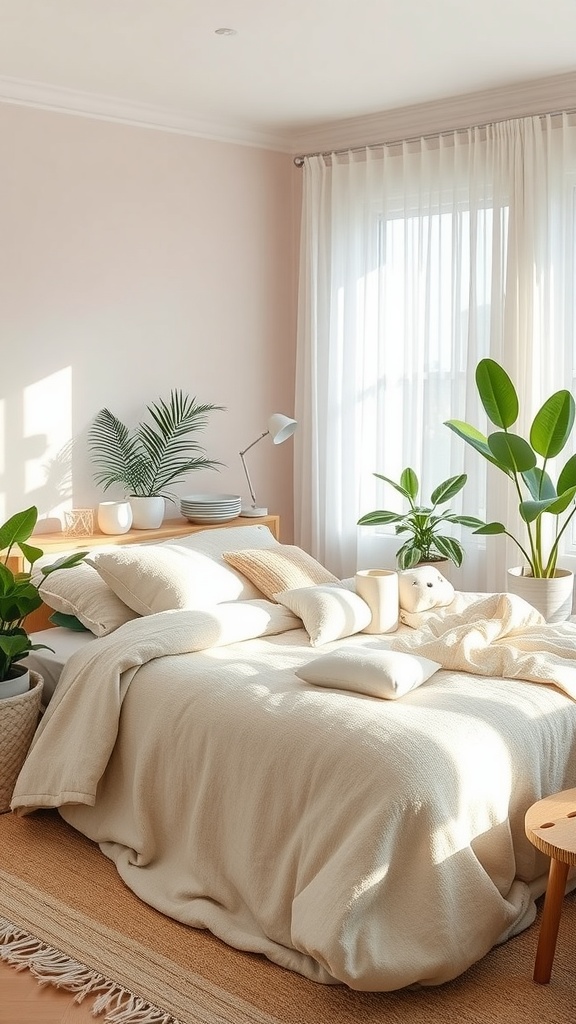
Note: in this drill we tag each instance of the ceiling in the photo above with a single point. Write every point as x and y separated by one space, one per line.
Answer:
291 66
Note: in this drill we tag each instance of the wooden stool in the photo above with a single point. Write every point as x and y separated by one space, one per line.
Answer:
551 827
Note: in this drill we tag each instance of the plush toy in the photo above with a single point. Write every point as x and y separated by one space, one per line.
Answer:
423 588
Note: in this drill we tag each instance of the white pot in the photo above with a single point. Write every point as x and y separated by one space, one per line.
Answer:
551 597
114 517
17 683
147 513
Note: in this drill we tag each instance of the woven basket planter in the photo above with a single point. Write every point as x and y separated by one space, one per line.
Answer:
18 721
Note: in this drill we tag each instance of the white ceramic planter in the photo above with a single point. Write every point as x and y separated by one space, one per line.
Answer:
114 517
551 597
19 682
379 588
147 513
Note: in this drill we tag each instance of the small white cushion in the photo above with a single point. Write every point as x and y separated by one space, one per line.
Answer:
369 670
81 591
328 612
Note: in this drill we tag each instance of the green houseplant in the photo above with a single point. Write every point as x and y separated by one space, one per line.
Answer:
526 464
424 524
150 459
18 594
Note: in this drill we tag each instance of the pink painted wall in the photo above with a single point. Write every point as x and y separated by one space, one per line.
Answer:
133 261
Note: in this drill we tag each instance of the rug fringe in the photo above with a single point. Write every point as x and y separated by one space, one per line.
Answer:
50 967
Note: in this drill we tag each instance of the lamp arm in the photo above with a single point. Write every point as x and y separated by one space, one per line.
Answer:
250 488
253 443
242 454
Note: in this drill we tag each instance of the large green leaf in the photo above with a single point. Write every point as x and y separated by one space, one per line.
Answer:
552 424
450 548
497 393
448 489
379 518
532 510
18 528
490 529
567 477
397 487
473 437
512 453
409 481
563 501
539 484
470 521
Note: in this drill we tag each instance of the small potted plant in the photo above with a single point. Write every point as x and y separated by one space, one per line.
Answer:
150 459
526 464
424 524
19 596
20 689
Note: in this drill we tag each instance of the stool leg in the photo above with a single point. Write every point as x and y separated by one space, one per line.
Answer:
550 921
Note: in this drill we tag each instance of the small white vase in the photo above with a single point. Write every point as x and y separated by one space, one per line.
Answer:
379 588
551 597
114 517
147 512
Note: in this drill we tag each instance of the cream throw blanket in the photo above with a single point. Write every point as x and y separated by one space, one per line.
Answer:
376 843
496 635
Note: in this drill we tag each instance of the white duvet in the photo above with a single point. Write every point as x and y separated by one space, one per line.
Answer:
371 842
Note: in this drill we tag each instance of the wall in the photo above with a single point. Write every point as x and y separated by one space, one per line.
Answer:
133 261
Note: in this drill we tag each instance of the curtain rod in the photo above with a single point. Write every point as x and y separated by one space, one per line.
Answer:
299 160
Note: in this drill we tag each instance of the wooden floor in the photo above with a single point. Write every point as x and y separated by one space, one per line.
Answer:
23 1001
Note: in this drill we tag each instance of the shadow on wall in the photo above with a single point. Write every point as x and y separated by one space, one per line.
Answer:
55 491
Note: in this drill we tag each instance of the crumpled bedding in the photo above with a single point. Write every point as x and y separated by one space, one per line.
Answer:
375 843
496 635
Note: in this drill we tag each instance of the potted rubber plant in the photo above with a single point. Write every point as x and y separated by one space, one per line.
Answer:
546 508
19 596
147 461
423 525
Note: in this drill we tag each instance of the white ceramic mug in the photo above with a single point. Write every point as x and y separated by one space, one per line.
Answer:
379 588
114 517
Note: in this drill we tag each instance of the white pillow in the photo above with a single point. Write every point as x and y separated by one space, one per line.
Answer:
369 670
328 612
81 591
214 542
152 578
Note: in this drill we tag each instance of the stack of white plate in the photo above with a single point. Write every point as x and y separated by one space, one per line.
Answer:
210 508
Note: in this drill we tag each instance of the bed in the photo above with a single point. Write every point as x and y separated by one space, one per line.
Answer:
349 805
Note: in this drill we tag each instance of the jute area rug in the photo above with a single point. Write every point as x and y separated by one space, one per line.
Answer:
68 917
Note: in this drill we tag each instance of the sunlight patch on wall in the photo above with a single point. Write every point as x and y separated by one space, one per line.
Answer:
47 436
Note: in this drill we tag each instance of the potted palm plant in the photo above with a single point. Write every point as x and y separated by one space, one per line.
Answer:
526 464
150 459
425 526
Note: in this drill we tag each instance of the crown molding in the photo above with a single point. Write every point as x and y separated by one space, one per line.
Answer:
109 108
538 96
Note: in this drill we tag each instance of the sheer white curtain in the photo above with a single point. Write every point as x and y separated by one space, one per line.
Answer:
416 261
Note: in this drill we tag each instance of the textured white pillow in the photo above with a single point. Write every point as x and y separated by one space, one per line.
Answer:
377 673
328 612
82 592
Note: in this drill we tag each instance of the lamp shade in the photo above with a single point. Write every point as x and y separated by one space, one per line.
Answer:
280 427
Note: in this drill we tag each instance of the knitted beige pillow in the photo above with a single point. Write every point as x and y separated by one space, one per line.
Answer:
283 567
